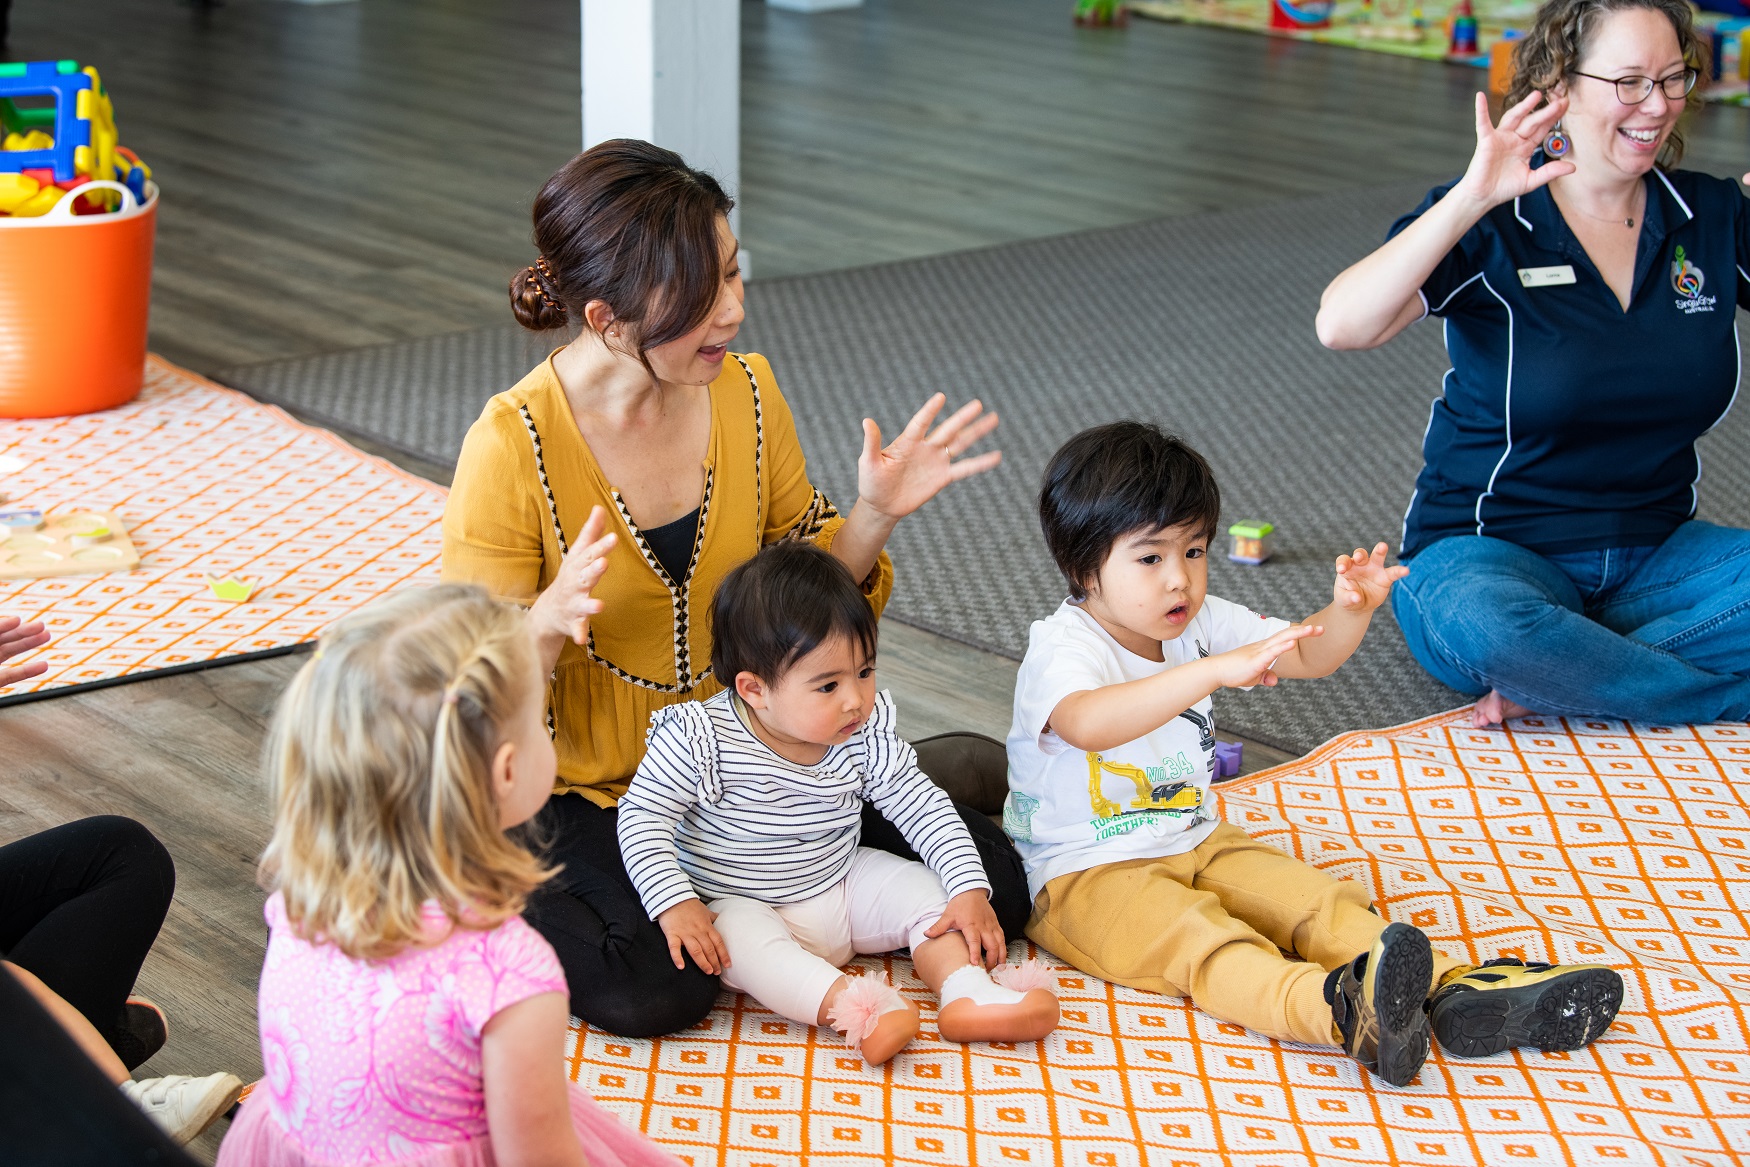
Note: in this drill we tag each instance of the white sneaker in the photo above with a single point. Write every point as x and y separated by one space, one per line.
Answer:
182 1105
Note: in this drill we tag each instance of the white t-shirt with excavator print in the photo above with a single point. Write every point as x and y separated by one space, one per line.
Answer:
1069 809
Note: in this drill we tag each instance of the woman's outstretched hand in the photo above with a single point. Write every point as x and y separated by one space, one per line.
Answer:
1500 170
900 478
17 637
562 612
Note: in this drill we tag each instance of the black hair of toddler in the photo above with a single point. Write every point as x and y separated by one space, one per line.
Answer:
777 607
1113 479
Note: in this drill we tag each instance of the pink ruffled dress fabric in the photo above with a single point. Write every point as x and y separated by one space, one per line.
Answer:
376 1063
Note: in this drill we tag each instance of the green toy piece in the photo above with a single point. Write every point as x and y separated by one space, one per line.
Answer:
1101 13
1251 541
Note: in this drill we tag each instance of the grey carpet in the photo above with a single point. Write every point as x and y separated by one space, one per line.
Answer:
1202 323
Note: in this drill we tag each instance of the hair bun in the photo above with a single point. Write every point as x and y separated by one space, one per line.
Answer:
531 303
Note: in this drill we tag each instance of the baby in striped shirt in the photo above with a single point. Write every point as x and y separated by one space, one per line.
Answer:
741 828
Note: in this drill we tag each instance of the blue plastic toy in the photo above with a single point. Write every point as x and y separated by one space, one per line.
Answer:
70 117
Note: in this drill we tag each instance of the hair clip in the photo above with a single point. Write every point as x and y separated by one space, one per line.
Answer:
544 277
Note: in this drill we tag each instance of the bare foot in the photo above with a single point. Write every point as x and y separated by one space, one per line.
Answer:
1494 709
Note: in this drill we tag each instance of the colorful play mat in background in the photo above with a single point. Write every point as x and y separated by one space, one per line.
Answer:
1414 29
209 484
1576 841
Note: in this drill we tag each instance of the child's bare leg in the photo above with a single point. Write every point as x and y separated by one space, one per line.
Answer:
974 1007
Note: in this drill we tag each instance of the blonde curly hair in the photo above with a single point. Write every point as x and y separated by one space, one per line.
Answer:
379 768
1551 52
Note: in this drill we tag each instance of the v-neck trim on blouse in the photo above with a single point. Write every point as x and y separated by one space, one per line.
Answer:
676 587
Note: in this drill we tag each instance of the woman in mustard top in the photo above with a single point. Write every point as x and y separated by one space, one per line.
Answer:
612 488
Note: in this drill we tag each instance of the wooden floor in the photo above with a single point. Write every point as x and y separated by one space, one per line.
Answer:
338 175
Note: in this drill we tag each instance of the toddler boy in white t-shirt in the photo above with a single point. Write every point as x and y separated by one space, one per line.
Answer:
1135 878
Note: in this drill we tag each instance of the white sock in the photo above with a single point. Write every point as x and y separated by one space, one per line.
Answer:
972 982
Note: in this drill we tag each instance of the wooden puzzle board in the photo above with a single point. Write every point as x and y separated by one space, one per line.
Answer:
209 481
1575 840
63 545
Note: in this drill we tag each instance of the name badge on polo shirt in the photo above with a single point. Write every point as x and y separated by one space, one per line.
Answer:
1544 277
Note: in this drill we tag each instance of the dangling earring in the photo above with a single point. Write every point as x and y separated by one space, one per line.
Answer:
1558 144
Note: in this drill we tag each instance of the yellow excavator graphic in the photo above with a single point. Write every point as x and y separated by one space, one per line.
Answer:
1171 796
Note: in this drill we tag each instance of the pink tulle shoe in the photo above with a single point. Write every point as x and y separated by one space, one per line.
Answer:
877 1022
1026 976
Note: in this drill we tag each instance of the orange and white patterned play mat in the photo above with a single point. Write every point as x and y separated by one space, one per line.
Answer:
1576 841
209 481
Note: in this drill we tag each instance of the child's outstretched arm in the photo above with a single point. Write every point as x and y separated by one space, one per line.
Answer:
528 1108
1109 716
1363 584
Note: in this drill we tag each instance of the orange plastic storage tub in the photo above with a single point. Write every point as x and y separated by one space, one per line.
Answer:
74 295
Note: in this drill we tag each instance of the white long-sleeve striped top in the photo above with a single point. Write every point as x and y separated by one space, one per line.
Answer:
713 811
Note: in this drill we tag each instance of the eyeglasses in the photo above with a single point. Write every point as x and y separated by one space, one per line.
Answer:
1634 89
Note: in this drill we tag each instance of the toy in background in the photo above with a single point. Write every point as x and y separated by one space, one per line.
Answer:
1731 56
1229 756
1501 61
51 149
38 544
1251 542
1397 21
1101 14
1301 15
1461 24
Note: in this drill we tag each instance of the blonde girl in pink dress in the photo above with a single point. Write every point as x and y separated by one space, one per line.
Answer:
408 1014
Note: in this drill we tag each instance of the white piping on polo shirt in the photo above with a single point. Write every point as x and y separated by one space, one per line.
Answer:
1456 291
1506 407
1674 193
1738 346
1404 528
1521 218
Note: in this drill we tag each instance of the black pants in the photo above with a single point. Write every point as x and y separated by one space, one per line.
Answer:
616 959
56 1106
80 906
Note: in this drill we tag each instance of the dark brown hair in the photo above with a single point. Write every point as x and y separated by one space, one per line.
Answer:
1111 480
1552 50
777 607
634 226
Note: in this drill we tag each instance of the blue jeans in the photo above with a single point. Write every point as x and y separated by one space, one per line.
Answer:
1643 633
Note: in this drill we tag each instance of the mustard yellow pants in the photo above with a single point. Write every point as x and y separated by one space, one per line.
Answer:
1213 925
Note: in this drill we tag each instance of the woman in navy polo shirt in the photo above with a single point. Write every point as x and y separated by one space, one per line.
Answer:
1589 295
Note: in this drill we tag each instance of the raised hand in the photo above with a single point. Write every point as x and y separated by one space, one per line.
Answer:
1500 170
1363 579
18 637
898 479
1250 664
562 611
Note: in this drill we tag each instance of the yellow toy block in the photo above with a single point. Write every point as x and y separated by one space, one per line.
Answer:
16 190
40 203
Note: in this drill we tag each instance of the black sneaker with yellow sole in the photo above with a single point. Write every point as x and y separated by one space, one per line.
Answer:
1377 1002
1506 1003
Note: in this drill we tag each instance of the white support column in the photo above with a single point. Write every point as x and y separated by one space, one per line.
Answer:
669 72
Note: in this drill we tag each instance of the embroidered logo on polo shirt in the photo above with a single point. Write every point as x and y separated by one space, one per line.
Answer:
1687 280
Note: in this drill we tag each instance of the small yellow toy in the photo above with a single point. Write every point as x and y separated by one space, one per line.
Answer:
231 589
